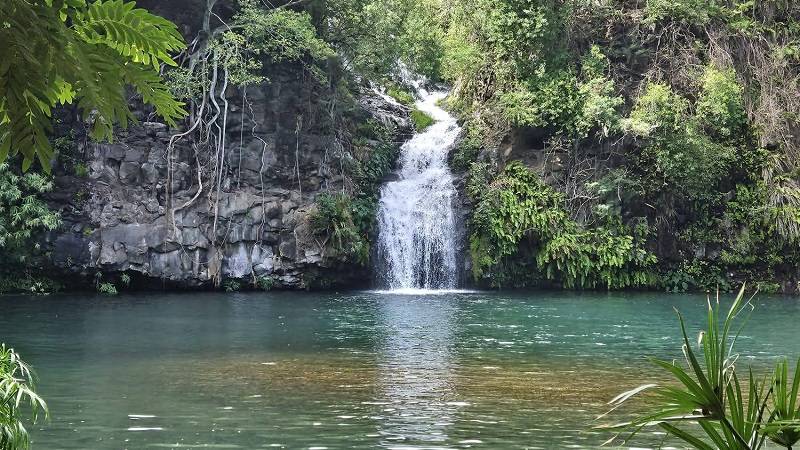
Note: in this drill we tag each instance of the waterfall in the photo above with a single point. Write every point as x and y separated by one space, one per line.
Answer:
417 233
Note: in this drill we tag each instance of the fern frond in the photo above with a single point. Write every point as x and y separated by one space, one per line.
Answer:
46 60
133 32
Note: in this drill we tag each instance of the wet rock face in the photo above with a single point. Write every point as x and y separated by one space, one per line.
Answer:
135 213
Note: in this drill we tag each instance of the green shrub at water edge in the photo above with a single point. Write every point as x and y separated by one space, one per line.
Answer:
519 220
18 398
232 286
24 215
107 288
707 390
335 220
29 284
266 283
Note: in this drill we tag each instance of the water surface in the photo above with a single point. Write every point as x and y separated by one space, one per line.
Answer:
354 370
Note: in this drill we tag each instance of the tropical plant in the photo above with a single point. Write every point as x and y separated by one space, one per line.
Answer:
64 51
519 207
266 283
107 288
709 405
232 286
23 215
333 220
22 211
17 393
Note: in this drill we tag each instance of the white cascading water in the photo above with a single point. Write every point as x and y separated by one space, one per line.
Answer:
417 234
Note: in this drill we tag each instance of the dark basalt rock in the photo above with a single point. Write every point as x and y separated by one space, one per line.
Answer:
117 219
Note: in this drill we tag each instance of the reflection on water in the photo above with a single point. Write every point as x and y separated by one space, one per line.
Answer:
359 370
415 375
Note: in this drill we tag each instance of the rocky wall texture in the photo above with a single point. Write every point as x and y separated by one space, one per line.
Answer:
283 148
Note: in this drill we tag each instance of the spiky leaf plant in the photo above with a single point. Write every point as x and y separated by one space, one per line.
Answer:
708 406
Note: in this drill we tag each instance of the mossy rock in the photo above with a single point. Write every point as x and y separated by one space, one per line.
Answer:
421 120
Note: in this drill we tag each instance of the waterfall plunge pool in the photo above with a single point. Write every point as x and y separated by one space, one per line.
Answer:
353 370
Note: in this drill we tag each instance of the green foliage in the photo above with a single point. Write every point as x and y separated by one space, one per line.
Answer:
266 283
467 150
125 279
600 103
81 170
232 286
23 215
695 275
374 35
240 48
22 211
344 220
375 153
333 219
551 101
401 95
16 281
107 288
52 54
421 119
720 107
698 12
478 178
677 150
282 34
566 102
519 207
707 391
461 55
17 394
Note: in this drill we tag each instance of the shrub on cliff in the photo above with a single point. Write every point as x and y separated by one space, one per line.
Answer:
22 214
519 220
333 221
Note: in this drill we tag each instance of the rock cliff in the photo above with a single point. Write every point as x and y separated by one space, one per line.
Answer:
127 210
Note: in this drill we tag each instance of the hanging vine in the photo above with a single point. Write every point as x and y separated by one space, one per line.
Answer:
231 53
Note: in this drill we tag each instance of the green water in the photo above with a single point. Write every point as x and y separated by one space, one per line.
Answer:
355 370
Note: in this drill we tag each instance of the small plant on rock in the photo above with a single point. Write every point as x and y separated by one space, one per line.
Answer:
107 288
232 286
266 283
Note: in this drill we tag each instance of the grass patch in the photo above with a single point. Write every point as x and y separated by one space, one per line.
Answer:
401 95
421 119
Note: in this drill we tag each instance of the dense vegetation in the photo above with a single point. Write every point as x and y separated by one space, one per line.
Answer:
655 140
345 218
22 214
664 129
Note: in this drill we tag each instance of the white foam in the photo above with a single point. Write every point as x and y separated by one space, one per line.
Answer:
421 291
417 230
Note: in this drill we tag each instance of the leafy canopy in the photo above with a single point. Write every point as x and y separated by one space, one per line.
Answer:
57 52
